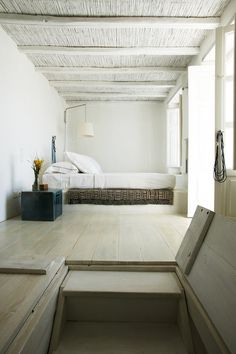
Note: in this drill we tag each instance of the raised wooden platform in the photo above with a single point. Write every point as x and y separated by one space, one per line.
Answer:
19 295
129 293
90 233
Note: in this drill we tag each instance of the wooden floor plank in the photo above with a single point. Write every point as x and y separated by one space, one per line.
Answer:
129 241
107 247
38 265
93 234
87 242
172 230
153 244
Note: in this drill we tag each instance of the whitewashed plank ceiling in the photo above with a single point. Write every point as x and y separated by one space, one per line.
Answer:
110 49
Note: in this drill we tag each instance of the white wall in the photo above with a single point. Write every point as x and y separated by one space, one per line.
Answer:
31 112
129 136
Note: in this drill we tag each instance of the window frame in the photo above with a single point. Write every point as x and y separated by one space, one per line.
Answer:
177 163
221 80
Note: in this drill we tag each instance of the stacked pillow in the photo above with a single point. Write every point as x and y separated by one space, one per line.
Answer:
84 163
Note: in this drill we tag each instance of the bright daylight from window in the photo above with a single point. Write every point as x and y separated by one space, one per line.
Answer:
173 136
228 98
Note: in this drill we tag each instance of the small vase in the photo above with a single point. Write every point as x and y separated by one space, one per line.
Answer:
35 186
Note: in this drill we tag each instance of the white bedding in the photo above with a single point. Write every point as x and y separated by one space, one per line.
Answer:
110 180
65 181
134 180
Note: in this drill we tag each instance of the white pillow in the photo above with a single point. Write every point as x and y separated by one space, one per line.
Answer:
84 163
62 167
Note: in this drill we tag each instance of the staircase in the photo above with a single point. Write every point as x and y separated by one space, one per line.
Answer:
114 312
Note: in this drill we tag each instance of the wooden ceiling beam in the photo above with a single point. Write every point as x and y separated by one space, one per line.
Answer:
112 99
116 84
73 96
107 51
207 23
112 71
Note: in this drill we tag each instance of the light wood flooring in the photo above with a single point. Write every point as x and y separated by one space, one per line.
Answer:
92 234
84 235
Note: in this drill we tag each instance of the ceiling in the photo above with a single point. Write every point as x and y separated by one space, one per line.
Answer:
110 50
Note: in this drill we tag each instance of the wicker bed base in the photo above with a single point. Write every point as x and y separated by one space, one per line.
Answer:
120 196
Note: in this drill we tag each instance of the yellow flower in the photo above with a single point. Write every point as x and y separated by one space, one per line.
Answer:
37 164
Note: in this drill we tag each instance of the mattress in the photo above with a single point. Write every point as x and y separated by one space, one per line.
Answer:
134 180
110 180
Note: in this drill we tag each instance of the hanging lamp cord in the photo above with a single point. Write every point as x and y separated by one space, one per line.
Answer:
219 166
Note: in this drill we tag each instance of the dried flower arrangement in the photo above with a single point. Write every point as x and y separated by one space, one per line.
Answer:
36 166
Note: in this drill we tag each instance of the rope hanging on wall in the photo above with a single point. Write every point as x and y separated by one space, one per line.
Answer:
219 166
53 149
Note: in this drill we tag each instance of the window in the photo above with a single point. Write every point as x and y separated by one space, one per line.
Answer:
173 136
228 97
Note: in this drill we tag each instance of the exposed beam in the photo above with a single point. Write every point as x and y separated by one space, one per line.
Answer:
102 51
180 83
113 99
115 84
229 14
112 71
208 23
73 96
113 90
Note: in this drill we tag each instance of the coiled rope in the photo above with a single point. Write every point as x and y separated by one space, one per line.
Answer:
219 166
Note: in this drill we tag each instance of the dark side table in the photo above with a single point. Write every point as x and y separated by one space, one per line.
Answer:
41 205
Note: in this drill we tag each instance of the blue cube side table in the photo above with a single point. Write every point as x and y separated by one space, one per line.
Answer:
41 205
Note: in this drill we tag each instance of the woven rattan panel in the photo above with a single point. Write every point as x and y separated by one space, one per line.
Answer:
120 196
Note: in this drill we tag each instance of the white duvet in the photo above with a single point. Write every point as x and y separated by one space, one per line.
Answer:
110 180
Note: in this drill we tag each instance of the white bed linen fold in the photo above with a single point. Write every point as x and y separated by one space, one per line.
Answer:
82 180
65 181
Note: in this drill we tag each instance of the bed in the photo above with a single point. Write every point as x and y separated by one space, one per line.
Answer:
92 186
114 188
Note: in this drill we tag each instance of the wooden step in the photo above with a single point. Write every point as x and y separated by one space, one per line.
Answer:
117 282
121 312
120 338
121 296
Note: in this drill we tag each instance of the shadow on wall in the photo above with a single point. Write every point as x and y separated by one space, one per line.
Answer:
12 204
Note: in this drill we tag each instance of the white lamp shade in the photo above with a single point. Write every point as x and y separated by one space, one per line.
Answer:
87 129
